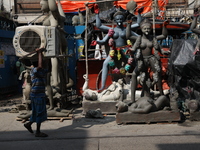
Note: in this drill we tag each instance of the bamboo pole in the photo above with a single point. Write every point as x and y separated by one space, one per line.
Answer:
103 1
86 46
154 26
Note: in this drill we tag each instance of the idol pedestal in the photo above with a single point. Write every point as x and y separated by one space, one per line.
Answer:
107 107
153 117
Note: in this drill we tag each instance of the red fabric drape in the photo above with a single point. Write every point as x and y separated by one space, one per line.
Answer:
73 6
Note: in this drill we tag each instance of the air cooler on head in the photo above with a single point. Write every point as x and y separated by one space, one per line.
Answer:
28 38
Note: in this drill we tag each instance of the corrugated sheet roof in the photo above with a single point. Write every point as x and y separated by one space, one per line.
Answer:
178 1
28 6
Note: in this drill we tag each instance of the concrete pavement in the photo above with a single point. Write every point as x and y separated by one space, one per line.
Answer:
98 134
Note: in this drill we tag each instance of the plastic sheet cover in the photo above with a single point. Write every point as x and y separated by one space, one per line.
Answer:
184 68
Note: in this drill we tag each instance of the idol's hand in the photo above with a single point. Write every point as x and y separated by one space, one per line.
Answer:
96 9
93 43
140 10
165 23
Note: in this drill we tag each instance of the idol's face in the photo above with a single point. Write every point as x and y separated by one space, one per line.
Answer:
146 29
111 42
119 19
121 107
112 53
130 60
44 5
111 32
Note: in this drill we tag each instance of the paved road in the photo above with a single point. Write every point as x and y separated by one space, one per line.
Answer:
98 134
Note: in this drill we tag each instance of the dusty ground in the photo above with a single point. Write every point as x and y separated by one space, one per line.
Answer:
10 102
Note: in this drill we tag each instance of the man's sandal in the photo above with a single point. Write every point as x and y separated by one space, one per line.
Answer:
28 127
